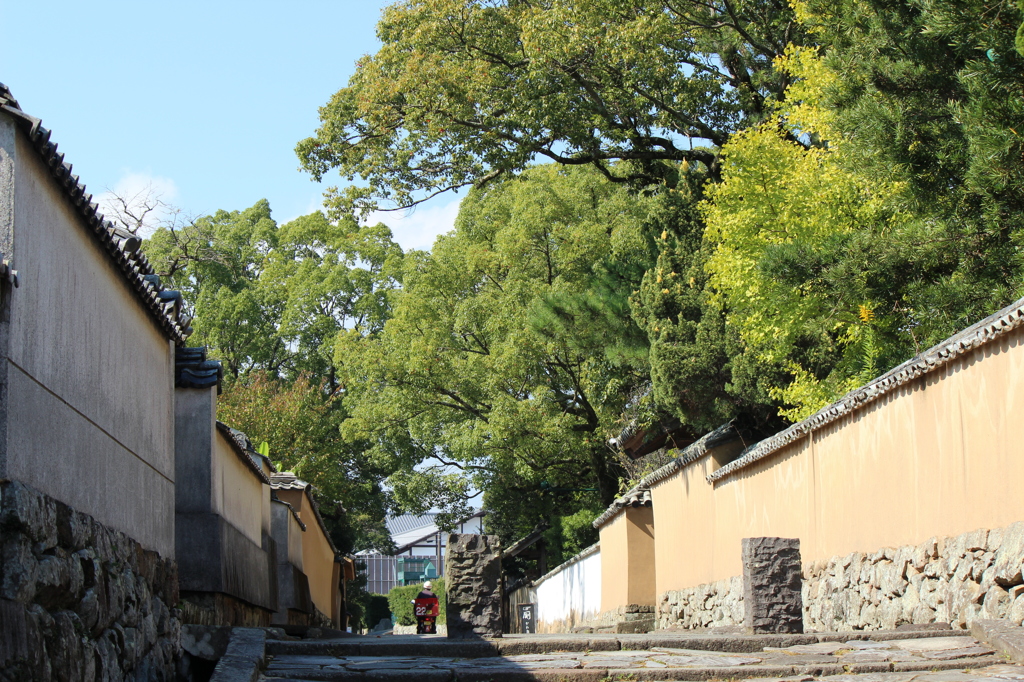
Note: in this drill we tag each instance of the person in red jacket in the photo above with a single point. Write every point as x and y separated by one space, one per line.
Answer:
425 607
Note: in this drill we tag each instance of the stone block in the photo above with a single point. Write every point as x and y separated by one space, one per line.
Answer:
1009 556
1009 639
243 657
772 597
473 586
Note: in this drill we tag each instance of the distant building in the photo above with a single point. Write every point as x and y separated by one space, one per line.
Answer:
419 551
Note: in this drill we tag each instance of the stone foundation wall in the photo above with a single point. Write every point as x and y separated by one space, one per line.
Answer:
79 601
631 618
711 605
955 580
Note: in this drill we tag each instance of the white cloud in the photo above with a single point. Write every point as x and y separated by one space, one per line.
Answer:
139 200
316 203
418 227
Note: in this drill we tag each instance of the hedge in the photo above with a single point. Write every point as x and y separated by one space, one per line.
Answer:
377 609
400 601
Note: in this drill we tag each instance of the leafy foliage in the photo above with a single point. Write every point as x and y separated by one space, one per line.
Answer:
270 302
471 375
377 609
463 92
273 299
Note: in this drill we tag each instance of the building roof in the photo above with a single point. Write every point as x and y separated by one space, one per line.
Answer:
287 480
121 247
242 446
992 327
527 540
404 523
417 528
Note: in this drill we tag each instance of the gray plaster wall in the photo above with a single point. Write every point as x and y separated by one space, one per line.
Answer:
292 584
89 376
214 556
195 420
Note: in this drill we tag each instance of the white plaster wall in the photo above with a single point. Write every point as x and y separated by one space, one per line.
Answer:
91 418
570 596
237 493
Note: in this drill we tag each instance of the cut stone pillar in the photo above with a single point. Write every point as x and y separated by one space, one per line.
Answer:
472 570
772 599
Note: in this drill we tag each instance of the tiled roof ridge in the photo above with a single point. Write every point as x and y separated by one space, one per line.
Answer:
637 496
122 247
571 560
241 446
287 480
692 452
936 357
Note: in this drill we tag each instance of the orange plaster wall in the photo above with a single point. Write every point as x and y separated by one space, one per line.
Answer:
941 456
628 559
317 557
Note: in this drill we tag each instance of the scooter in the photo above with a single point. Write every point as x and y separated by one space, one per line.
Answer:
426 610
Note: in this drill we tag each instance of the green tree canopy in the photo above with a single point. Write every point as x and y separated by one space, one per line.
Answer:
273 299
465 91
470 376
269 301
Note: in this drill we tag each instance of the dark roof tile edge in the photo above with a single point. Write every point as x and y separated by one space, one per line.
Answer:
690 453
132 264
639 493
242 452
572 560
938 356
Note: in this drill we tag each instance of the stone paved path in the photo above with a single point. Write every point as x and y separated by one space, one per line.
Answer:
949 658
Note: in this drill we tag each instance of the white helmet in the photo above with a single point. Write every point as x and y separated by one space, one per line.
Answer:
427 585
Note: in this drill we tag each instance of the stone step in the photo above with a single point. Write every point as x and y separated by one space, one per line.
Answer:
428 645
900 672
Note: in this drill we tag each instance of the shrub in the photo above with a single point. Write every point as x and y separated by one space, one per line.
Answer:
377 608
400 601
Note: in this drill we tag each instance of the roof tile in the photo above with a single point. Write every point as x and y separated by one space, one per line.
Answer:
121 247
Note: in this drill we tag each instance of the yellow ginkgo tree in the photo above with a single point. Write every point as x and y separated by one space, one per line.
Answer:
784 228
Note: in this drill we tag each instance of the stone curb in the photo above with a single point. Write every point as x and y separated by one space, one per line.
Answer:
244 657
1000 634
511 646
487 674
955 664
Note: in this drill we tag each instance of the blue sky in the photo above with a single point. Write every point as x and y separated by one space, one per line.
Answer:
202 101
